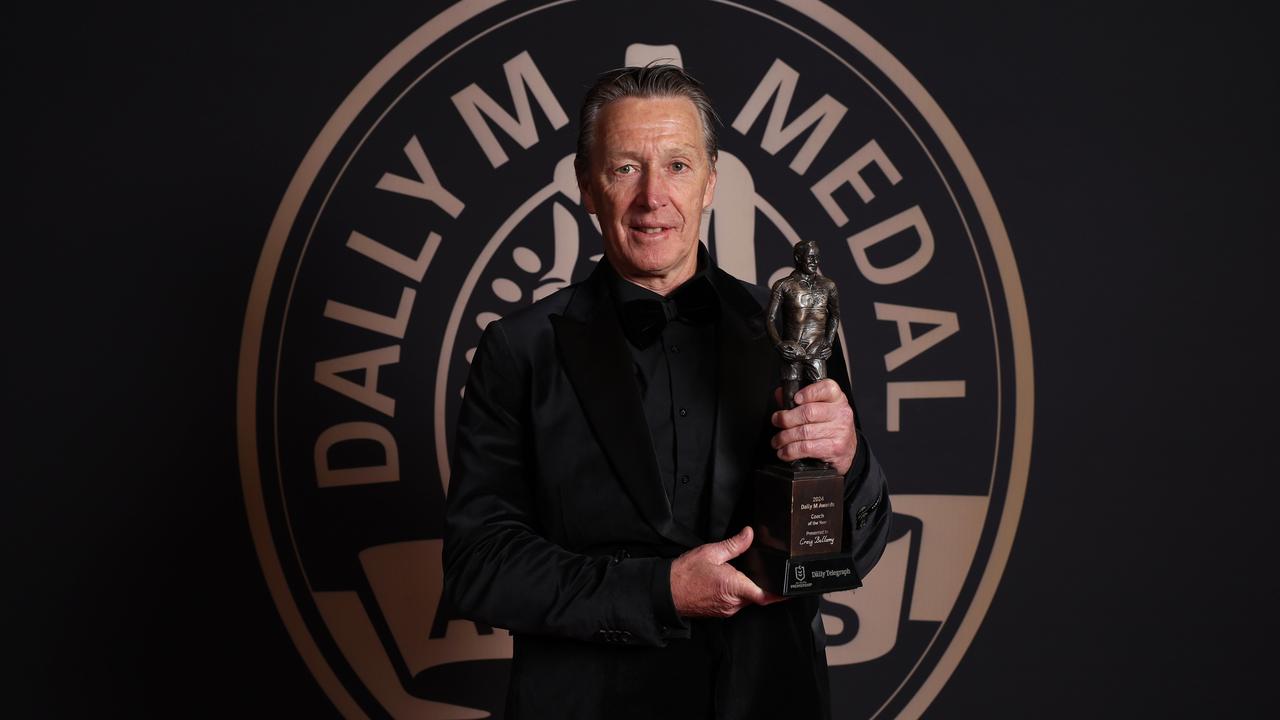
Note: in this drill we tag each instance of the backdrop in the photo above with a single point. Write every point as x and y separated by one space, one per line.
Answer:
256 247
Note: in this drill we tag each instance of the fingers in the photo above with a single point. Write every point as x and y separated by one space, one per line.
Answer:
743 591
813 412
769 598
821 426
732 547
752 594
825 390
749 592
833 442
703 584
827 449
808 431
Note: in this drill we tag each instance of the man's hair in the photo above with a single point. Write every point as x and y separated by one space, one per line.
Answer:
651 81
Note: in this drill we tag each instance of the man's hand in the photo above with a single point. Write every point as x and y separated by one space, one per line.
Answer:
704 584
820 426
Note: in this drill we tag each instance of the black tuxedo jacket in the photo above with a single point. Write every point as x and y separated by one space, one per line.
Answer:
558 528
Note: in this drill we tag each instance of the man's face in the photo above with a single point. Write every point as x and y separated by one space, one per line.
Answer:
807 259
648 182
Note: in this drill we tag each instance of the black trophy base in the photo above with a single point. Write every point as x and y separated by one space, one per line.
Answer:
790 576
799 527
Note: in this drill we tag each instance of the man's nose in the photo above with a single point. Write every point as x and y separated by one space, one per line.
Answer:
654 192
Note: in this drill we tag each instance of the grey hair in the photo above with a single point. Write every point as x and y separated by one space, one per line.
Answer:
655 80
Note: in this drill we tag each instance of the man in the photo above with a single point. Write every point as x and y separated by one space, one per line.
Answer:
606 443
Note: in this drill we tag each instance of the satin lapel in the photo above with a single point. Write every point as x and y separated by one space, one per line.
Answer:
596 359
747 376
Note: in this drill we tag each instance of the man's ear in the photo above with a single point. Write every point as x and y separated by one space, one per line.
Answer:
584 187
709 195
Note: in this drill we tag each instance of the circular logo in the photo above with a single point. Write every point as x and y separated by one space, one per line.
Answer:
441 196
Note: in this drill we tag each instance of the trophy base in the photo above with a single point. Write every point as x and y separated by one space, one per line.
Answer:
799 523
789 576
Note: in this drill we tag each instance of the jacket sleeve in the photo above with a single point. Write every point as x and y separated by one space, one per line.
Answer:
499 567
866 491
867 514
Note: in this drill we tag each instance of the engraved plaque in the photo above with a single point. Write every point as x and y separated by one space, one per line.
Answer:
799 527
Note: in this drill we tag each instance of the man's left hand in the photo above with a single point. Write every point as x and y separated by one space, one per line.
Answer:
819 427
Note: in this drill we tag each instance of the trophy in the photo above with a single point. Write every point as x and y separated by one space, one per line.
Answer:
799 506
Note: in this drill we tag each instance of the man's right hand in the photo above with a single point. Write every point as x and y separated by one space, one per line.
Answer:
704 584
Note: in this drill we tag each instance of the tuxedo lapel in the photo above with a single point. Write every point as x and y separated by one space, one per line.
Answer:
746 379
602 371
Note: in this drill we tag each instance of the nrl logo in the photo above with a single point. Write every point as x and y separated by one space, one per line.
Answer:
441 196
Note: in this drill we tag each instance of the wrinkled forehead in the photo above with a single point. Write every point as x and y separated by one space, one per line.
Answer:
657 110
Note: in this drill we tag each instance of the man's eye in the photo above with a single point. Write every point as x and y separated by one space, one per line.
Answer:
625 170
679 166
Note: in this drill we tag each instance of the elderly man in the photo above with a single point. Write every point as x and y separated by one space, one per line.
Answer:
605 449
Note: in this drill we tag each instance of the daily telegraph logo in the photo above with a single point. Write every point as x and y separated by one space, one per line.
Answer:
441 196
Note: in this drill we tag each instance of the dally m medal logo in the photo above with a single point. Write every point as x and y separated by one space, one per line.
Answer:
441 195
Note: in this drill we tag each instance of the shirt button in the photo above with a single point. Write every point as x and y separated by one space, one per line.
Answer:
684 479
683 412
675 348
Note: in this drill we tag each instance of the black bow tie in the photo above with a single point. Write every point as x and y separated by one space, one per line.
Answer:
695 302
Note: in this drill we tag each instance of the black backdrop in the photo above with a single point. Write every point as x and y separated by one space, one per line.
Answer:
1130 150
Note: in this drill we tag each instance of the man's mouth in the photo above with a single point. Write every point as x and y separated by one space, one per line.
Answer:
652 230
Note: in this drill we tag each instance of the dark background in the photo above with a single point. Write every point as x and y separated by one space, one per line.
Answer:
1129 149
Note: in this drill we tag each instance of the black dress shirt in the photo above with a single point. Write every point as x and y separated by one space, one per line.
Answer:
676 374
